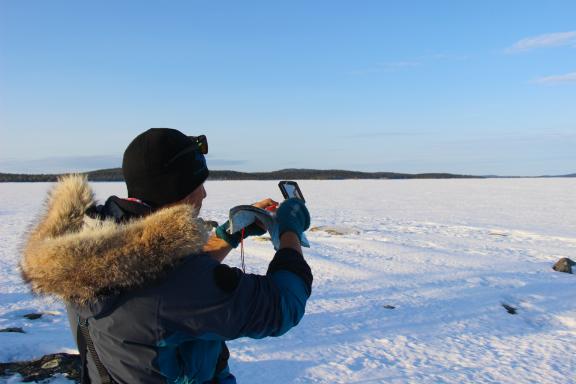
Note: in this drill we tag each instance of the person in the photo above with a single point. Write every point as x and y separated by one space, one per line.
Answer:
148 297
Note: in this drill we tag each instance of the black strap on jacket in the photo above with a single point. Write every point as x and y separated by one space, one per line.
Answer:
85 346
222 362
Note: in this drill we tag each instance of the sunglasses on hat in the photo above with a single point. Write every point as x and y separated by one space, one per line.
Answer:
198 143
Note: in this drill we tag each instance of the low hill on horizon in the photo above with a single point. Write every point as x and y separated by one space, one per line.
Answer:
115 174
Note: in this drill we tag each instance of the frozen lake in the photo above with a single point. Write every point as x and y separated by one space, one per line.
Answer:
410 278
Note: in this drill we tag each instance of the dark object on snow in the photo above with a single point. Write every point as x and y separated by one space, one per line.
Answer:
33 316
564 265
389 306
44 368
511 310
498 234
13 329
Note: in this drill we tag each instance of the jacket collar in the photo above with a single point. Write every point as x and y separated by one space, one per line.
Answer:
79 257
120 210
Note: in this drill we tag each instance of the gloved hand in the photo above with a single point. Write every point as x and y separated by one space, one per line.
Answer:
293 216
234 239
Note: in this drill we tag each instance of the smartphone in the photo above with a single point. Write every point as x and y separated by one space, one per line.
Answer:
290 189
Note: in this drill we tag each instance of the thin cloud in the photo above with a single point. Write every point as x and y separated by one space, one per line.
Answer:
59 164
67 164
544 41
224 162
393 66
446 57
365 135
387 67
557 79
401 64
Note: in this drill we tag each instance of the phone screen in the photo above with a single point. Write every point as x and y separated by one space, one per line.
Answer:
290 189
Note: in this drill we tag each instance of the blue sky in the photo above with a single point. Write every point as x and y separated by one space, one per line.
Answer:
486 87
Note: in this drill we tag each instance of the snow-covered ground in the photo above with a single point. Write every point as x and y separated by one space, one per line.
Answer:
410 281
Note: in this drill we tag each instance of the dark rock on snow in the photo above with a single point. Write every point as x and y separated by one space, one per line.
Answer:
510 309
33 316
564 265
12 329
44 368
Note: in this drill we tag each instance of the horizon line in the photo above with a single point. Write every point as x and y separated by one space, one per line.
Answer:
308 170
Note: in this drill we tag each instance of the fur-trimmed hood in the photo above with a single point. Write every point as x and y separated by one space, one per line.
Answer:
77 258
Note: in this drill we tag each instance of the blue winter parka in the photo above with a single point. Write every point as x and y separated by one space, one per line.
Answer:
158 308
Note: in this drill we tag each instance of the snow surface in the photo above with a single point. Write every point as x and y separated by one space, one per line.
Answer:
409 281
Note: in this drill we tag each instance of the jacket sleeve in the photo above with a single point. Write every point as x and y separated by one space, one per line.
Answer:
248 305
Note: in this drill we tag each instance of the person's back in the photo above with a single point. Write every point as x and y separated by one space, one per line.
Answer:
148 300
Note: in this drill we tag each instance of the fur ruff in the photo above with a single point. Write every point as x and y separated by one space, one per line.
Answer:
76 258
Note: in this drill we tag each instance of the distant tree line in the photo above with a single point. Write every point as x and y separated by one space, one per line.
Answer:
115 174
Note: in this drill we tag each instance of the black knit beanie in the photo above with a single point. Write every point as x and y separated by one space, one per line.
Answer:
154 174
